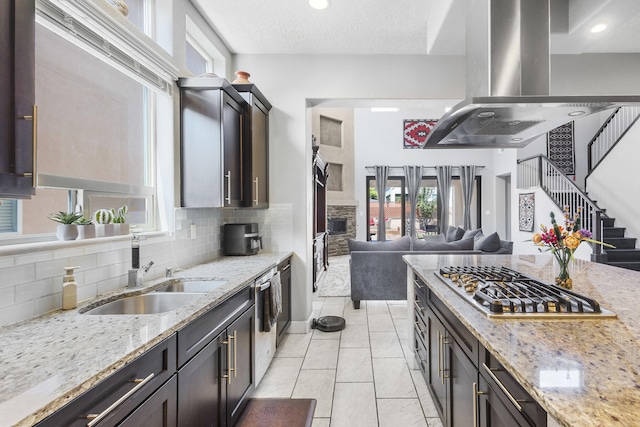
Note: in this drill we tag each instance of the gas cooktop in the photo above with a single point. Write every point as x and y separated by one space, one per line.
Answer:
502 292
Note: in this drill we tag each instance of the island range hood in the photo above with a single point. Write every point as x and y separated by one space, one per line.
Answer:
507 101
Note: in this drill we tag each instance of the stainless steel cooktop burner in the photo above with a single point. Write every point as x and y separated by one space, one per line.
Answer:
506 293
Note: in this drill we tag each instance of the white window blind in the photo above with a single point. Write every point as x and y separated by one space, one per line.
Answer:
8 216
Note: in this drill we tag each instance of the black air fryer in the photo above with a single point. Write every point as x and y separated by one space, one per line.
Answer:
241 239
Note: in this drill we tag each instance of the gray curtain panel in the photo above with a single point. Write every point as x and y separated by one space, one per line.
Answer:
382 173
444 184
413 175
467 178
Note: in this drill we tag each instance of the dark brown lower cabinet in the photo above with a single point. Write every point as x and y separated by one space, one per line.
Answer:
160 410
468 385
214 385
284 318
142 393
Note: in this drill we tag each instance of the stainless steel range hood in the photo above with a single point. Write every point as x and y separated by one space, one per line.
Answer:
507 81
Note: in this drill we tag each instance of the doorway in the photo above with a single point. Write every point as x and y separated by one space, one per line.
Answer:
503 205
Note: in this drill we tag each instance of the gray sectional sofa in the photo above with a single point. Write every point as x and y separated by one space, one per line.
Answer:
379 273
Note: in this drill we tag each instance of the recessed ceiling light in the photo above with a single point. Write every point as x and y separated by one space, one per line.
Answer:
319 4
599 28
576 113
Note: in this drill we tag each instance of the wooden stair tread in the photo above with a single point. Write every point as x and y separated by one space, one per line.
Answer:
277 413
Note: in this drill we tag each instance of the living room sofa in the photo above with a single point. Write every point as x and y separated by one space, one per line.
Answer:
379 273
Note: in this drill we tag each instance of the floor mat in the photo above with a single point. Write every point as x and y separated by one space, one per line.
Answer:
336 281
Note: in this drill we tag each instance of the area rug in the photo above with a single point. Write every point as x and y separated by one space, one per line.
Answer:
336 281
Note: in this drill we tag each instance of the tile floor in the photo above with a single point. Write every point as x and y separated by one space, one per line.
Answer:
359 375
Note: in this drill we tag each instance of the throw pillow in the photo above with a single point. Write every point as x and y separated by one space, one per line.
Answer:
402 244
435 238
471 233
454 233
490 243
420 245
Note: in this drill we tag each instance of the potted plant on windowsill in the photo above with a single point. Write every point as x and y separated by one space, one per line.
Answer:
66 229
120 220
86 229
103 219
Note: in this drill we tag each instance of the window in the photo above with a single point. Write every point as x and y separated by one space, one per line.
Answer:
397 208
198 62
98 93
8 216
202 55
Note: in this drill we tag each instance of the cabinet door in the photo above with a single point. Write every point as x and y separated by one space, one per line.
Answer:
463 377
17 98
259 155
492 412
202 386
232 117
284 318
159 410
437 380
240 386
201 172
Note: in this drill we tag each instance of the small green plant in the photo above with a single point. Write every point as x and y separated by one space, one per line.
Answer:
120 216
83 221
65 217
103 216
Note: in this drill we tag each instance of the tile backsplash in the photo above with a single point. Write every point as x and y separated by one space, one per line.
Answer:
31 274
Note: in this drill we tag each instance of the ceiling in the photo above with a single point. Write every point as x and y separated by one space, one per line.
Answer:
410 27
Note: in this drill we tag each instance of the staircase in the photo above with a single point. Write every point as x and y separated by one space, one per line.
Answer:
625 254
538 171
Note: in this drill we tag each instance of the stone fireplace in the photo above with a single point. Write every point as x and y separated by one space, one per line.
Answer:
341 226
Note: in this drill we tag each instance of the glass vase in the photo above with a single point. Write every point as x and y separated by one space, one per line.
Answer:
563 268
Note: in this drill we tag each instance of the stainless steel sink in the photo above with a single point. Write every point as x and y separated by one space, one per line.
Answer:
193 286
151 303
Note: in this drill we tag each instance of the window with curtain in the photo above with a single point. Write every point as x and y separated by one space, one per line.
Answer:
397 207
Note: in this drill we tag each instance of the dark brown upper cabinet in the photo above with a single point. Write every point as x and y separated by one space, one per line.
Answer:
212 119
256 147
18 116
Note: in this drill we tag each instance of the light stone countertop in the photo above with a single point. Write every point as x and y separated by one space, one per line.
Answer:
582 372
48 361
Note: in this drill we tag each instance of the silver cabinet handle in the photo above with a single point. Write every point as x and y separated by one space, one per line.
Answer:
34 142
439 354
228 177
95 419
257 198
235 353
502 387
476 393
229 368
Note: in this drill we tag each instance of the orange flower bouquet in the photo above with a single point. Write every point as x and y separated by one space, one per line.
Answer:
563 241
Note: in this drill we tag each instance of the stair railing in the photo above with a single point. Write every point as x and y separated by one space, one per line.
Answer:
539 171
610 133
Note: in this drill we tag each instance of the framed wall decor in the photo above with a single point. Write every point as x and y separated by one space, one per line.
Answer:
526 210
416 132
560 148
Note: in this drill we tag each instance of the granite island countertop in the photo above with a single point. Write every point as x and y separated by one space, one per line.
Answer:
582 372
48 361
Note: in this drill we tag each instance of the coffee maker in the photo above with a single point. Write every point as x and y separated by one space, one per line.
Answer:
241 239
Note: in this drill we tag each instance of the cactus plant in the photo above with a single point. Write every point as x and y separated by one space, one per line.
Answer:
120 216
103 216
65 217
83 221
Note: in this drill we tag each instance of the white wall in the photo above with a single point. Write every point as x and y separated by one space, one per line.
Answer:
379 141
615 183
543 207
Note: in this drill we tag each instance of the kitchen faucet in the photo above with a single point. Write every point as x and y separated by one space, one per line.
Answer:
136 275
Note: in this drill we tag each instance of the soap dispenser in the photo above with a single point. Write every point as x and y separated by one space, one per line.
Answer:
69 289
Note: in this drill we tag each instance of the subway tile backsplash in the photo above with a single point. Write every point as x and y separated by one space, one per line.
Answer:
31 275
